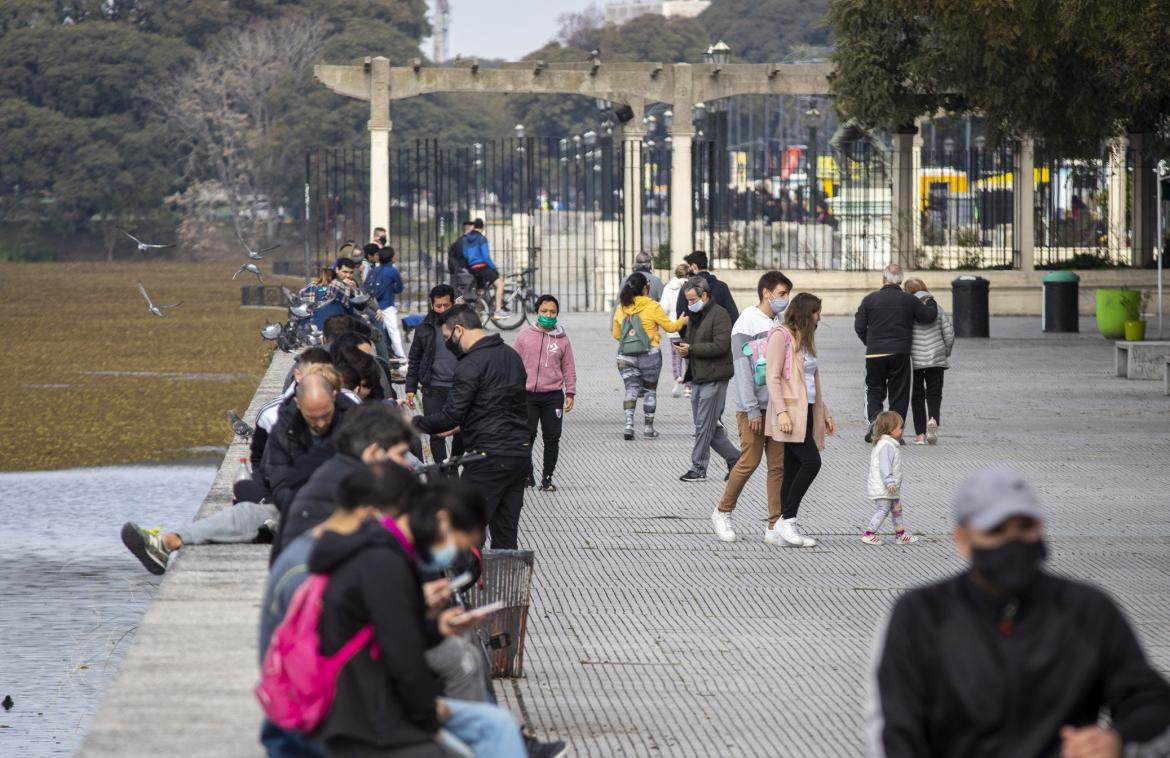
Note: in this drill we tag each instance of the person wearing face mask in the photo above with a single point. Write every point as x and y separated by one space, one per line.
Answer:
1008 659
488 405
552 381
708 351
749 342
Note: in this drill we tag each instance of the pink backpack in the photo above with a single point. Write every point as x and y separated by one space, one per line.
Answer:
298 683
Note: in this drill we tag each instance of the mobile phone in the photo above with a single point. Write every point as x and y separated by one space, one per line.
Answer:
461 581
486 610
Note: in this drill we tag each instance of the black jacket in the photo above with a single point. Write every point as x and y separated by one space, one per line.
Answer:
315 501
456 260
290 457
487 400
389 702
885 320
720 293
710 341
950 683
422 353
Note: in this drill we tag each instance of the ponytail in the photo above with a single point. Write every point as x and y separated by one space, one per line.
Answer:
635 283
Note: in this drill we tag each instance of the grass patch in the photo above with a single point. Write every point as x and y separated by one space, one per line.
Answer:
91 378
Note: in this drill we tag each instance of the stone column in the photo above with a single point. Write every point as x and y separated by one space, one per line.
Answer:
379 126
1143 201
903 199
631 146
1117 187
1024 204
682 137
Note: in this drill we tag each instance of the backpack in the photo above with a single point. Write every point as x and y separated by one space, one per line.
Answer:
298 683
756 351
476 251
634 340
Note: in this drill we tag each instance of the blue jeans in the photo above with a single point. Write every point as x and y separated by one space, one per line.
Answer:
281 744
489 730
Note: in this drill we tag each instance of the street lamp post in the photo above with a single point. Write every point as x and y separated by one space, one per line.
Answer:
812 119
719 172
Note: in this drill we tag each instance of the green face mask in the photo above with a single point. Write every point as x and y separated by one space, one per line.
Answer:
546 322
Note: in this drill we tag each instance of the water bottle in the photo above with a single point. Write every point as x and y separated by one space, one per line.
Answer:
243 471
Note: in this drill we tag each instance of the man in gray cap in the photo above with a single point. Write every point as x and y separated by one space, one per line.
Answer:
1007 659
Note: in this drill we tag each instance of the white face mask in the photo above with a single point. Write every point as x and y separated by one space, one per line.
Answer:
696 306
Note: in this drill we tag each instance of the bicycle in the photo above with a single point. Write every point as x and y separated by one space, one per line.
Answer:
519 299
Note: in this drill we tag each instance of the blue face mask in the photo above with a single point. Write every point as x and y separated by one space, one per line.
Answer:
778 305
696 306
441 558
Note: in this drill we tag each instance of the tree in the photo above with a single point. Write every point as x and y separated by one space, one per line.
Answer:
767 31
1069 73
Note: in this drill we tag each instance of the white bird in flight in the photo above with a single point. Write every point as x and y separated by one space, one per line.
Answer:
251 269
142 246
157 310
254 254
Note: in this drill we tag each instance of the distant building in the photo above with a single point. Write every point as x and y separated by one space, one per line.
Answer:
622 11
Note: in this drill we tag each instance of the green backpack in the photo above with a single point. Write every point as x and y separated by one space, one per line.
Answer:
634 339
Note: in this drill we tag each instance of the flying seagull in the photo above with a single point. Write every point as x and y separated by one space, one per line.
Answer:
251 269
254 254
290 297
157 310
142 246
239 426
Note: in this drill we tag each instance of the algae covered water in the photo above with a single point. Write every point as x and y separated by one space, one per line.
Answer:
71 596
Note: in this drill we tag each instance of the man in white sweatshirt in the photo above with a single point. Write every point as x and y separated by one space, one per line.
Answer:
749 337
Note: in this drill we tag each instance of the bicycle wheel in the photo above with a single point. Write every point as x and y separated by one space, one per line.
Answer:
518 311
482 310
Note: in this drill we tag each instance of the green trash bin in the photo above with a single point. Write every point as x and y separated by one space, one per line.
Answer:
1059 312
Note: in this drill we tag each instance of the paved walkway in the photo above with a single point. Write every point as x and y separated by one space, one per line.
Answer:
650 637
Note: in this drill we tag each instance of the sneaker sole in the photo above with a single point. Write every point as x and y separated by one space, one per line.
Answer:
137 545
693 481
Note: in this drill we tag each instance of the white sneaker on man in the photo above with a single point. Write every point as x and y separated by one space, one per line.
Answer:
722 523
791 536
773 537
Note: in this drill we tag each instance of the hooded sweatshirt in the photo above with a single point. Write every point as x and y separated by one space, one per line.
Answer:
669 299
548 359
386 702
652 317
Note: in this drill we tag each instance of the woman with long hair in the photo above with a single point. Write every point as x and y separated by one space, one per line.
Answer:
797 414
638 323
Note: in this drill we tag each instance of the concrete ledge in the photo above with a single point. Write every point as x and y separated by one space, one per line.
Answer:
185 687
1012 293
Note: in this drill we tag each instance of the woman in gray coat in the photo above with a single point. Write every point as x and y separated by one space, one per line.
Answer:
929 352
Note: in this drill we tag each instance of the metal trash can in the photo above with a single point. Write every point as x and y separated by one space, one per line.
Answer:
969 306
1059 308
507 577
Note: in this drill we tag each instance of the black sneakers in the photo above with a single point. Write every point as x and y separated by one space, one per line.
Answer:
546 485
693 476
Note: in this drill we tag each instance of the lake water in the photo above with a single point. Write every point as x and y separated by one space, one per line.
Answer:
71 596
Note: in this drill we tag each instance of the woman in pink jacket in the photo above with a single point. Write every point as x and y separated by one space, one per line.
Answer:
552 381
797 415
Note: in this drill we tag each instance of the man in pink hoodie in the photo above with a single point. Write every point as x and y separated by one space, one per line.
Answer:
552 381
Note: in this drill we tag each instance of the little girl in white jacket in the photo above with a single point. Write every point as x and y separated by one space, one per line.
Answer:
885 479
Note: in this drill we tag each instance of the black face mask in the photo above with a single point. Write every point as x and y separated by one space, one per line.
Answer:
1012 567
453 346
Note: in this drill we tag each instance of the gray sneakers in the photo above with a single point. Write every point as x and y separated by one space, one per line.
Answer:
147 546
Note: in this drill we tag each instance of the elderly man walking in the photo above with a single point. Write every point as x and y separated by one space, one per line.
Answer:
642 263
885 323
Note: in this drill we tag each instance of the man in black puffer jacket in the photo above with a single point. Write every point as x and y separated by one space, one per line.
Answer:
488 403
432 366
885 323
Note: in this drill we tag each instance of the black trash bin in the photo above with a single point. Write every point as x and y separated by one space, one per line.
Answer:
507 577
969 303
1059 310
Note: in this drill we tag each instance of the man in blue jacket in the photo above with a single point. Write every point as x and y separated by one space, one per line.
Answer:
479 260
383 282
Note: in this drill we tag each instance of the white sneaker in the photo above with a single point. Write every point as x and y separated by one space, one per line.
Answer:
773 537
722 523
677 390
792 537
931 432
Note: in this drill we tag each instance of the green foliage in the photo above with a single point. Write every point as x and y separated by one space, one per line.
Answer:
662 257
765 31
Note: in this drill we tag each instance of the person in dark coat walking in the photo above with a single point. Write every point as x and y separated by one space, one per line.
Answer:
1008 659
432 367
708 352
720 292
885 323
488 403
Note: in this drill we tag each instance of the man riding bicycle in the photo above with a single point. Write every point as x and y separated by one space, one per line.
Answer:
479 261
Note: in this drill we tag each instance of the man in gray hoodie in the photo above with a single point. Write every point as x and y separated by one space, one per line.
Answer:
749 338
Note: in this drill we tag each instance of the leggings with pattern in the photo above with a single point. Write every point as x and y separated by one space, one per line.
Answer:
640 376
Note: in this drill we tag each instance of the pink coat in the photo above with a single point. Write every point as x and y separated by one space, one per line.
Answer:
786 392
548 359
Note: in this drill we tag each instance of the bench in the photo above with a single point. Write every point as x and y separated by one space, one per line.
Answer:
1141 360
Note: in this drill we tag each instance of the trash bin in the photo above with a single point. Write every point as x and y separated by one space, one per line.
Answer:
969 303
1059 310
507 577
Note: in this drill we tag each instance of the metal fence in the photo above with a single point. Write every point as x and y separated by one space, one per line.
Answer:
1072 212
966 205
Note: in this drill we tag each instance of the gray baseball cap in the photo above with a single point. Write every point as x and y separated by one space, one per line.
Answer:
990 497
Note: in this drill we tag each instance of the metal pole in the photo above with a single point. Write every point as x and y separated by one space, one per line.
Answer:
308 266
1161 246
